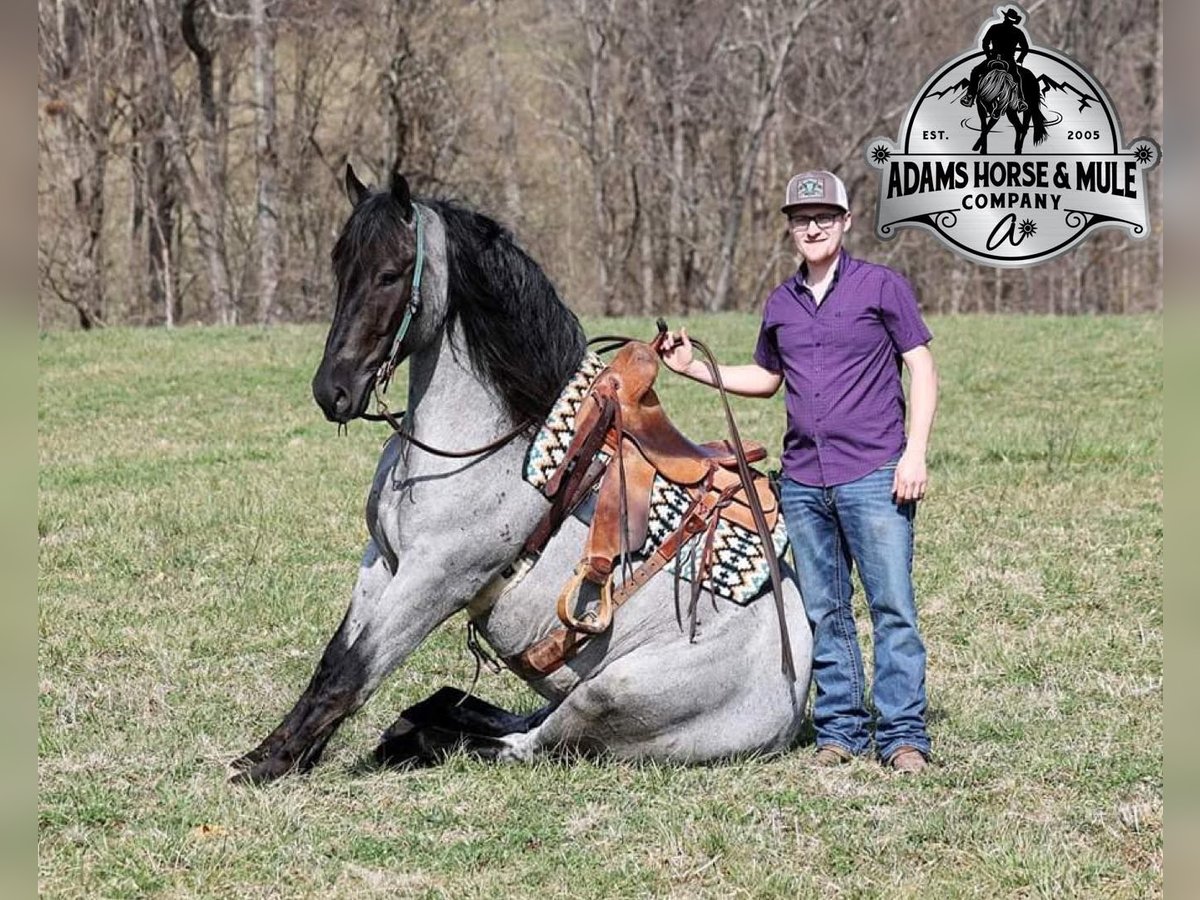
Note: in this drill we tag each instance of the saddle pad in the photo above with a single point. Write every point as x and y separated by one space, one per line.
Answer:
739 572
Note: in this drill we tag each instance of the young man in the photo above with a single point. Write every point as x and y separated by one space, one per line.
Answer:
835 334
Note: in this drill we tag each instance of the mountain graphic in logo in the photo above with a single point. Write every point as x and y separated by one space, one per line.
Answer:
956 91
1011 154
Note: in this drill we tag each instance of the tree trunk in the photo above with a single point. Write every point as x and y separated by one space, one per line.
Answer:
505 121
598 149
398 128
763 110
267 218
678 175
160 247
204 192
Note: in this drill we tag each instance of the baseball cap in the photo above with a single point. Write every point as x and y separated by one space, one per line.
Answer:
819 188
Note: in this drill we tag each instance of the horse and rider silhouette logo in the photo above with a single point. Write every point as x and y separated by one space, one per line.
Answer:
1001 86
1036 165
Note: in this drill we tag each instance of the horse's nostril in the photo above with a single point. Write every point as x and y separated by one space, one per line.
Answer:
341 400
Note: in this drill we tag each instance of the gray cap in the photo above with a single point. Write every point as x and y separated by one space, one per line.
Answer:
819 188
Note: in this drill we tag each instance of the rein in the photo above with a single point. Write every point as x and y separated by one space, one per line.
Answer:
393 419
574 479
743 469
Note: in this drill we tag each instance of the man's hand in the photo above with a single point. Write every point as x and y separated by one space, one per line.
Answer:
676 351
910 479
747 381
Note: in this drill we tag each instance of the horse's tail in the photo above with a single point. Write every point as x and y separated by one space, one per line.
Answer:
1033 95
1039 123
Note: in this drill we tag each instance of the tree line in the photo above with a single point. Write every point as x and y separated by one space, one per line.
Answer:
191 151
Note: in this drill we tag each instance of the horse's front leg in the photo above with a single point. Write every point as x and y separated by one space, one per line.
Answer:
1021 127
387 619
335 670
986 122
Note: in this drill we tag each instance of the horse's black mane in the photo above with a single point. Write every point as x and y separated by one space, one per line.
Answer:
519 334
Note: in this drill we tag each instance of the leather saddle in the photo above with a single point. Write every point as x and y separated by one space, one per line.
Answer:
641 442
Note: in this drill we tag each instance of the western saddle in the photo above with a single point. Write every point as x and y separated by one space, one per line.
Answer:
623 439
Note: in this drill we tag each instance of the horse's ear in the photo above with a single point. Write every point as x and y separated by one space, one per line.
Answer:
401 192
355 189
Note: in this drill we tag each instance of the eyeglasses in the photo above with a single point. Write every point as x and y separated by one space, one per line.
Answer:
824 220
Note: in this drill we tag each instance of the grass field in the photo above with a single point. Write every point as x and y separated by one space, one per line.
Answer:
199 527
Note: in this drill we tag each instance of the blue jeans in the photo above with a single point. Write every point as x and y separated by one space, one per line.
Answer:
830 528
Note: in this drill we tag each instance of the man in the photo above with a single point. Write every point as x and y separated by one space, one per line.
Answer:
835 334
1001 44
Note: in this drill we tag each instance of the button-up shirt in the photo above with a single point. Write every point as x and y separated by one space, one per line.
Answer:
840 360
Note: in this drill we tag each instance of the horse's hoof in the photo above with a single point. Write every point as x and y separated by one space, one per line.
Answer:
405 745
242 763
261 773
254 757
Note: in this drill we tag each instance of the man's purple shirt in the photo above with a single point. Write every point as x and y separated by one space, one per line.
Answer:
841 367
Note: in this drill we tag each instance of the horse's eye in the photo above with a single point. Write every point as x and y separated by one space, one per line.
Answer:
387 279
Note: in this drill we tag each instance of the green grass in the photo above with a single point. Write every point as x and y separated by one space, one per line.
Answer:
199 526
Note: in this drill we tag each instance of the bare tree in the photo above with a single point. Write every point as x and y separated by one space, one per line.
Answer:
262 25
82 51
203 190
595 86
502 108
638 147
770 55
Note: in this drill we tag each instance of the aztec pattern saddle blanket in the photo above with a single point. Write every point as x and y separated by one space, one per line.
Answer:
739 570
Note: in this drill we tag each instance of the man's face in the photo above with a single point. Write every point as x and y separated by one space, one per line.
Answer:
818 232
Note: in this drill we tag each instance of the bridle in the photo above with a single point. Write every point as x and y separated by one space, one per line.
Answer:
383 376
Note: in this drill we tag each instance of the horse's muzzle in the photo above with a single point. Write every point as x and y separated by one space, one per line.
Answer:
340 399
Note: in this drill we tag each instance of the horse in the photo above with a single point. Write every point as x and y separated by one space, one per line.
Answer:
490 345
999 95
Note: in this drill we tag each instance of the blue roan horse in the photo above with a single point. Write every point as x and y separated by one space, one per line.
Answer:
490 346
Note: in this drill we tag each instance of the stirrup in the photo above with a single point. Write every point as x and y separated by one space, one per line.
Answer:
596 622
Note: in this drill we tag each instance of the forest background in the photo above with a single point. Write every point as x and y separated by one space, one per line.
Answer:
191 151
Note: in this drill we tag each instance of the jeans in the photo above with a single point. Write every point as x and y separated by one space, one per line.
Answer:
831 527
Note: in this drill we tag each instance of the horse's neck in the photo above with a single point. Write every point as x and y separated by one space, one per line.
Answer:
449 405
463 518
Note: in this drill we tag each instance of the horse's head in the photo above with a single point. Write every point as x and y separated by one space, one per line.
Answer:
375 262
502 314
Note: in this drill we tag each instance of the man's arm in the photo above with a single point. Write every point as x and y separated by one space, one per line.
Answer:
1022 48
911 476
749 381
